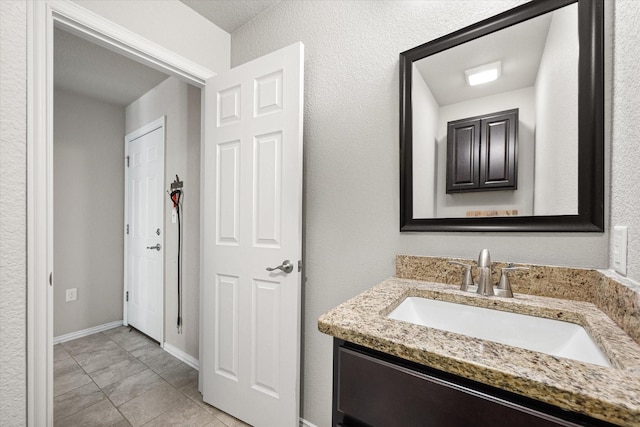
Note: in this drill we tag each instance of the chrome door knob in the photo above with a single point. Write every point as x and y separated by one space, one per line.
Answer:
156 247
286 266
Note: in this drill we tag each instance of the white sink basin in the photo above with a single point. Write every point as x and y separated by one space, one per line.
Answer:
553 337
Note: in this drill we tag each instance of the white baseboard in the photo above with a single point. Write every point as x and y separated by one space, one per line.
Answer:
181 355
305 423
85 332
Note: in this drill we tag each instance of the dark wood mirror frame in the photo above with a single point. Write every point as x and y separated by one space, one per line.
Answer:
590 217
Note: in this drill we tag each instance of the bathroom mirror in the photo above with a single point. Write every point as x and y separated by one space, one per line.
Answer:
549 56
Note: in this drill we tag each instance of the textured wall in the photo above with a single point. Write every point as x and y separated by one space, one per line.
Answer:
625 179
351 156
88 213
180 103
13 257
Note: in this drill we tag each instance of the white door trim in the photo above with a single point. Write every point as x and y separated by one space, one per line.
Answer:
159 123
41 18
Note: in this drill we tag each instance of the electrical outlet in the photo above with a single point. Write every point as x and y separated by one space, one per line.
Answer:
72 294
174 215
620 249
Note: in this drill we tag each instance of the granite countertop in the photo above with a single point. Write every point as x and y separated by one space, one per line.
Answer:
610 394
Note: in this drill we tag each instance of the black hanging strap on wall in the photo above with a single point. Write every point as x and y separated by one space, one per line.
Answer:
176 195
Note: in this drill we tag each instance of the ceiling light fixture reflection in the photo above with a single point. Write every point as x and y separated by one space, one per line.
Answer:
483 74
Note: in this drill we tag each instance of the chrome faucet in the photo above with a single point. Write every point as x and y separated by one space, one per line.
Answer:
485 284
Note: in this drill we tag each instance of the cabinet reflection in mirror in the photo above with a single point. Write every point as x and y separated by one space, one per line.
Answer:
540 170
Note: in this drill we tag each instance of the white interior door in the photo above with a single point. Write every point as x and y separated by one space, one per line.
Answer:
252 220
144 257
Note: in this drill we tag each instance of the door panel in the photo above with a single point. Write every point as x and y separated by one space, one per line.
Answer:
267 190
498 165
228 193
226 333
252 205
463 158
265 317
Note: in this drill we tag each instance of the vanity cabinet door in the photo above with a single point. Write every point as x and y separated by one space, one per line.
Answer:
463 156
498 157
369 391
482 153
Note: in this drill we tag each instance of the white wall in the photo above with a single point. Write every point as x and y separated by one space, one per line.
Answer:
180 103
351 157
625 179
13 233
170 24
425 140
556 173
88 178
457 205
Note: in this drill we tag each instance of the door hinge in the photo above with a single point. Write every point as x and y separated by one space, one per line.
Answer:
127 161
127 228
127 296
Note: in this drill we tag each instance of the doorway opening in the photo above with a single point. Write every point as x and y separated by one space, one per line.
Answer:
104 105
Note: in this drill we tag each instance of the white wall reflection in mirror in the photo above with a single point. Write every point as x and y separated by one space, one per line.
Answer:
539 76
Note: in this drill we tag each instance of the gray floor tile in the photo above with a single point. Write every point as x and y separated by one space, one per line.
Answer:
117 372
92 361
191 391
75 400
147 352
153 403
180 375
161 362
132 386
187 414
131 339
67 376
59 353
63 366
90 343
230 421
112 331
100 414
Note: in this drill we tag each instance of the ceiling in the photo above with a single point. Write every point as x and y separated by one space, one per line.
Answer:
230 14
87 69
444 71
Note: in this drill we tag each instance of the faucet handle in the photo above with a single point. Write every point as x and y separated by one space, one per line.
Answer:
504 286
467 280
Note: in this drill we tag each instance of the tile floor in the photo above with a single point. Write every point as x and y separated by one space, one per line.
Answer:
122 378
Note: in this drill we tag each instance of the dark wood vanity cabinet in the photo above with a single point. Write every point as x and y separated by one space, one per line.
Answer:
373 389
482 153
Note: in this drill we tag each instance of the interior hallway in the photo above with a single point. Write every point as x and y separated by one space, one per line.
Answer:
120 377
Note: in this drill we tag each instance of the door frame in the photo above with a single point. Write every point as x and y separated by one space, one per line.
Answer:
159 123
42 16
